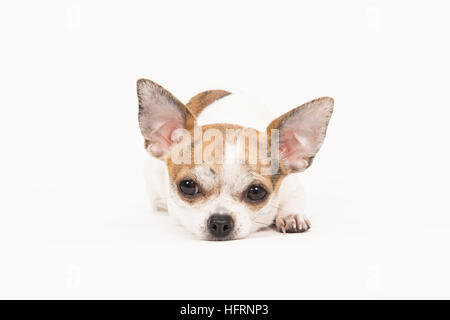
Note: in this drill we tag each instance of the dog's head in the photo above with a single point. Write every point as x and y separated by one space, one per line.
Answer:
224 179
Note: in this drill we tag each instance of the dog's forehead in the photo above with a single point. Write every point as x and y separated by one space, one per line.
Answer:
234 176
239 166
239 145
207 175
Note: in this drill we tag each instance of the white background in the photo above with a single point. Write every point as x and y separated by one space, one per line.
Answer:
75 221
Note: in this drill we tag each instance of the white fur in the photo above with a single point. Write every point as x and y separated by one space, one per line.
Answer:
237 109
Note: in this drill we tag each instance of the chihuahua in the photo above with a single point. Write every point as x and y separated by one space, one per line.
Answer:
222 166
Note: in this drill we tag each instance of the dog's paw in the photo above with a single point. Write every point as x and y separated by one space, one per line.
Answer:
292 223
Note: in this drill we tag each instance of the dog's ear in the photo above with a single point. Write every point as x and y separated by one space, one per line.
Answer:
301 133
160 114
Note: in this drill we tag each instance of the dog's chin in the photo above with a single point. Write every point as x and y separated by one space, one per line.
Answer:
210 237
213 238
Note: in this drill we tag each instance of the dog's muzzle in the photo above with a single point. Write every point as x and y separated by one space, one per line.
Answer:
220 225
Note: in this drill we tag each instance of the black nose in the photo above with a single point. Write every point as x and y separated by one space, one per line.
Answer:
220 225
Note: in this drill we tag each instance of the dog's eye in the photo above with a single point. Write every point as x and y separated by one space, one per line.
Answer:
256 193
188 187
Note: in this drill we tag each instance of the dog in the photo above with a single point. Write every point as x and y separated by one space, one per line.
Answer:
222 166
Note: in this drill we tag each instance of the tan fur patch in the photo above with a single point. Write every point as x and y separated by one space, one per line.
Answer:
204 99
